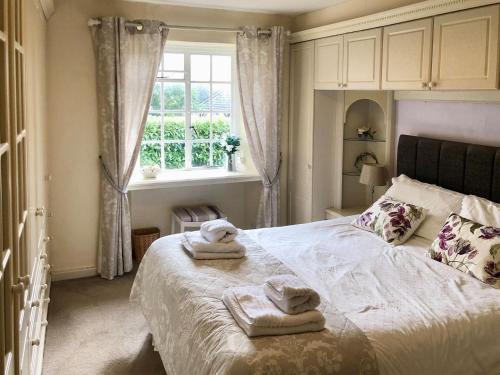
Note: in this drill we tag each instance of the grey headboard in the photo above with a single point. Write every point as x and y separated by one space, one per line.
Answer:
463 167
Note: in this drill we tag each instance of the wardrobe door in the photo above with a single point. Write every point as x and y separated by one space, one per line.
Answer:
465 51
8 327
301 132
406 57
328 59
362 60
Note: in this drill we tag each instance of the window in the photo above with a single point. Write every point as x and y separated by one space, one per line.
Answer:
191 108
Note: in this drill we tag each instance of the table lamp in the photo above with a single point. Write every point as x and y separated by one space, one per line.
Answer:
373 175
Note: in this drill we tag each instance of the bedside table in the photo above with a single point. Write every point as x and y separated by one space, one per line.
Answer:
334 213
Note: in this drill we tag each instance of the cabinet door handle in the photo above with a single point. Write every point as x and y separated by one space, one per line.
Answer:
25 280
35 342
339 85
431 85
425 85
344 85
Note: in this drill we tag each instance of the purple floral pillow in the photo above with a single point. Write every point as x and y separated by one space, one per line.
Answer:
394 221
469 247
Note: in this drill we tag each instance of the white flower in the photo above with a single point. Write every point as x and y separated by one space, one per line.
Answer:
229 148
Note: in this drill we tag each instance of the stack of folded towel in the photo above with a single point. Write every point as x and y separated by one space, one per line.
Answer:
215 240
284 305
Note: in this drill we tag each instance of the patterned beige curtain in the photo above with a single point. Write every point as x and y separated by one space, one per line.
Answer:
260 71
127 60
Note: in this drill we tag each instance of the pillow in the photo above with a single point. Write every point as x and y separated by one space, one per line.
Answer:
481 210
392 220
438 202
469 247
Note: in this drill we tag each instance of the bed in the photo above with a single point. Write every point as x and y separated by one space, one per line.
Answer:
389 310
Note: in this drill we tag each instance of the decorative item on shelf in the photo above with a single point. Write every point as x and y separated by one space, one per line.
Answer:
365 157
366 133
230 146
373 175
150 171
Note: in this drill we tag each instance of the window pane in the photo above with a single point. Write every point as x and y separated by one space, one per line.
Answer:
173 61
172 75
200 96
221 68
219 156
174 95
175 126
221 97
156 98
152 130
174 155
200 67
221 124
200 125
151 154
201 154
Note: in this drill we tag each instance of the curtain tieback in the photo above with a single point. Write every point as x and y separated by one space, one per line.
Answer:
109 178
268 184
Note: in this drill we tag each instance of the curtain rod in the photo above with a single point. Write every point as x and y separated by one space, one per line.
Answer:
94 22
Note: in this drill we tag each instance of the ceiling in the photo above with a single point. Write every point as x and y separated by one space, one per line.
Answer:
289 7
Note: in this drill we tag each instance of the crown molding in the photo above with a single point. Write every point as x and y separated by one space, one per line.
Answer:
48 8
425 9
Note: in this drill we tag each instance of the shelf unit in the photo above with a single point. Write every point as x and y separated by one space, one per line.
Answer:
372 109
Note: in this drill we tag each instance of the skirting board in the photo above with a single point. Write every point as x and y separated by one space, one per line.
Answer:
73 273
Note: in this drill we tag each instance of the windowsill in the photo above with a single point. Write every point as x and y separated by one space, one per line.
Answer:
169 179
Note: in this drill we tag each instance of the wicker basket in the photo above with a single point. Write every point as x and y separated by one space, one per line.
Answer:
142 239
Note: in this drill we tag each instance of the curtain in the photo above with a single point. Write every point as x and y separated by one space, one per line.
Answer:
127 61
260 71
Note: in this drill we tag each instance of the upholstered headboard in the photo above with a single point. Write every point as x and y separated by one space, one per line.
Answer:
462 167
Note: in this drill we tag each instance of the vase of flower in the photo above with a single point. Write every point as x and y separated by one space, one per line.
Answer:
230 146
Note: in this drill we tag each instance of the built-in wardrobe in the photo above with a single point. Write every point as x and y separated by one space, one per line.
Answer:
344 76
24 271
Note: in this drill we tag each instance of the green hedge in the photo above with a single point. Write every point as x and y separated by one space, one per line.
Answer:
175 152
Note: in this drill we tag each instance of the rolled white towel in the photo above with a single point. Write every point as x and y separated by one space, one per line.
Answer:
200 248
258 316
290 294
218 231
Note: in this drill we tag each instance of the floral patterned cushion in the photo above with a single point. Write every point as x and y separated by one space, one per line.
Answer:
394 221
469 247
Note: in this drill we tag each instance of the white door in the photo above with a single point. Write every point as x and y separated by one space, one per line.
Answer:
328 59
301 132
362 60
406 57
465 50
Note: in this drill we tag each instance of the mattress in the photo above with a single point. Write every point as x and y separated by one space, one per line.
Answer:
402 313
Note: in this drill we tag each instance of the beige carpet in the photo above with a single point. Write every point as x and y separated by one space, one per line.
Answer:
93 329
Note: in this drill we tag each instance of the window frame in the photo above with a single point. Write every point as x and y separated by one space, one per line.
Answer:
189 49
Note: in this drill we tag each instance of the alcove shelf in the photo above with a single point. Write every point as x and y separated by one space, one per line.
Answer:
371 109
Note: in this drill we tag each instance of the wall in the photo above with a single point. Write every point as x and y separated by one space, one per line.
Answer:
454 121
35 35
73 141
344 11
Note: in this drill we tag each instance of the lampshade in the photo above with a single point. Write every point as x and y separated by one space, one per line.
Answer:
373 175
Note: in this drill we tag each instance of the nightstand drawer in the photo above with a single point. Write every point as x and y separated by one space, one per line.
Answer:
335 213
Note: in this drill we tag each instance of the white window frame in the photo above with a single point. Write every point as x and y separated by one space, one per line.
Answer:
188 49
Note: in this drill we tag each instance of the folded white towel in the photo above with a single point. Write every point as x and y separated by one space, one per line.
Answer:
218 231
200 248
258 316
290 294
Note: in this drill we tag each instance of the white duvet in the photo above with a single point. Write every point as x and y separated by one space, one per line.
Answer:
420 316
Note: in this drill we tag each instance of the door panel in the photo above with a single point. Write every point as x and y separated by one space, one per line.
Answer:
465 50
362 60
328 61
406 61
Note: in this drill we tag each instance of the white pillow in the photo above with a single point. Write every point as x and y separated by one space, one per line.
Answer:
481 210
438 202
